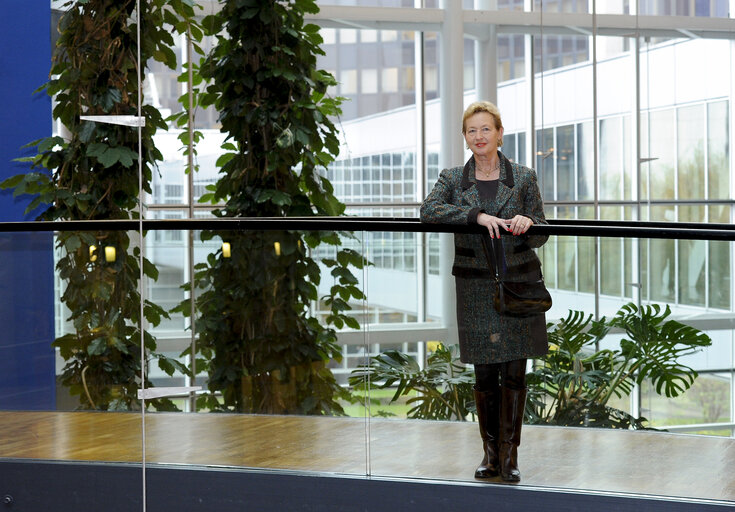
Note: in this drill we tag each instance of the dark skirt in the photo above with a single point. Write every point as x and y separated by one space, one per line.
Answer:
486 337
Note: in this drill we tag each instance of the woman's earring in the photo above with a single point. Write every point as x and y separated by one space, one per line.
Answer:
500 142
467 146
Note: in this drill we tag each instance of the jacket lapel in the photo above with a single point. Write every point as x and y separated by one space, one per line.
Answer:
469 192
505 186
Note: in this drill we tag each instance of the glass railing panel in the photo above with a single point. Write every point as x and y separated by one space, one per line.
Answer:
704 409
279 320
27 314
373 429
70 348
429 400
406 350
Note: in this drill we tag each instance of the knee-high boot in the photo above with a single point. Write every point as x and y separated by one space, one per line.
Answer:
488 409
513 402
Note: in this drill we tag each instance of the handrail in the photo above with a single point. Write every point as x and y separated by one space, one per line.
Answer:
563 227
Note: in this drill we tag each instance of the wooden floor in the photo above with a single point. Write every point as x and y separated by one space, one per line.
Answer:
649 463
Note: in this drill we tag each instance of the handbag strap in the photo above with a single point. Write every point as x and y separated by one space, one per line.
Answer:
488 246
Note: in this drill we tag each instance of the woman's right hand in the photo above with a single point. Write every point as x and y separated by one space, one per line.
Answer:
493 224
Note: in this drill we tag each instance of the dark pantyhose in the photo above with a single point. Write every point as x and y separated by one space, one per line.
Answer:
511 374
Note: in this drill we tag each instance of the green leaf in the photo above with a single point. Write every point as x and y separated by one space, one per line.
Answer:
97 347
49 143
150 269
12 182
72 243
224 158
212 24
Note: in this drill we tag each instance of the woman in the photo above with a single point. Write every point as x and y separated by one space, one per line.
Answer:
503 196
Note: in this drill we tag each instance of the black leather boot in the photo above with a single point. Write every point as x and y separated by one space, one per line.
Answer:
488 408
513 402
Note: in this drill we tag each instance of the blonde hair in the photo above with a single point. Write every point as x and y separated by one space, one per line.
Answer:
483 106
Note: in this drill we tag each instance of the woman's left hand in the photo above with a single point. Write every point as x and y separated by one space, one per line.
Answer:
519 224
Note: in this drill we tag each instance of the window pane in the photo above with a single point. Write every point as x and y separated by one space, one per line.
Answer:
545 162
522 149
661 259
377 77
565 158
611 159
587 263
707 401
719 272
718 150
547 254
511 56
628 169
691 259
611 256
369 81
585 159
690 152
509 146
567 247
661 133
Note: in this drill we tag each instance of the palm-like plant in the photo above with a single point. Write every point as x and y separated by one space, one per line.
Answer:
443 389
572 385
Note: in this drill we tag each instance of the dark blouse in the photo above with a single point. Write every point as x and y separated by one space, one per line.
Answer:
488 189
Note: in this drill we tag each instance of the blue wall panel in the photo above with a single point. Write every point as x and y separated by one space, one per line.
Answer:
26 259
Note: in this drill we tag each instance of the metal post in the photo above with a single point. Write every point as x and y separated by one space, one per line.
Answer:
529 56
420 166
140 253
190 162
595 163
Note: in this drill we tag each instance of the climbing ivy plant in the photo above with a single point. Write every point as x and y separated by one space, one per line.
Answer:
262 345
92 174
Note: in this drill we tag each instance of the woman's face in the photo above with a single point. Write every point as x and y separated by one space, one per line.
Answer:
481 134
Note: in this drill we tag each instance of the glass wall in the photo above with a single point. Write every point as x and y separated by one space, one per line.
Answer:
619 127
577 124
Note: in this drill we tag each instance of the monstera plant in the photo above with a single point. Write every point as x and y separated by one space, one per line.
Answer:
442 390
573 384
91 172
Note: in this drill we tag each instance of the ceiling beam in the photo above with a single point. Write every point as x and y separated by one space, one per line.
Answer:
518 22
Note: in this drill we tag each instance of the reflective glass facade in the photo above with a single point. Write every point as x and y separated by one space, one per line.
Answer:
619 125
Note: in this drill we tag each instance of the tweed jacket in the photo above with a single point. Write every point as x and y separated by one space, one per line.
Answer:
486 337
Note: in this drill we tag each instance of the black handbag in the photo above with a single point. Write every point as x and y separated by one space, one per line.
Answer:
515 298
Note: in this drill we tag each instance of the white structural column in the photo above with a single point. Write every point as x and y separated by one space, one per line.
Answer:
732 145
528 56
451 84
450 154
486 57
